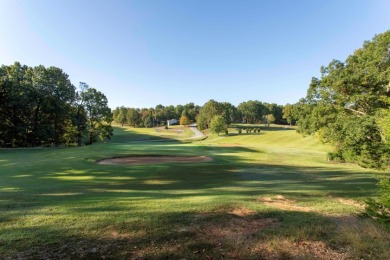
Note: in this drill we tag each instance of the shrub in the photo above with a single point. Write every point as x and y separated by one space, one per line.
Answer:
335 157
379 208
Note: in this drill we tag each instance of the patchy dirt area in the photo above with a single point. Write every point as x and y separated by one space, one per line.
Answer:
282 203
350 202
141 160
227 233
286 249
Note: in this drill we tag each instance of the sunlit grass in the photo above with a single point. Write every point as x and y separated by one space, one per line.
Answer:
59 196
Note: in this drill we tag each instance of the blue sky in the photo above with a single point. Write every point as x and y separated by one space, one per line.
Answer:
149 52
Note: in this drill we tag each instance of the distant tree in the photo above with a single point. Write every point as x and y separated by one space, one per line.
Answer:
231 113
170 112
288 114
184 120
178 111
269 119
133 117
99 115
146 118
276 111
217 124
160 114
252 111
115 114
191 111
201 122
121 118
208 111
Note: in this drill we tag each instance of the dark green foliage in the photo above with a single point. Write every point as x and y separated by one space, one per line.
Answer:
151 117
133 117
158 116
380 208
39 106
349 106
218 124
98 114
252 111
289 114
209 110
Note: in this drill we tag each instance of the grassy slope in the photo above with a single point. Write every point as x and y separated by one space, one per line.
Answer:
58 201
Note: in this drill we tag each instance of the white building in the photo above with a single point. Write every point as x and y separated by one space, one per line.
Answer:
172 122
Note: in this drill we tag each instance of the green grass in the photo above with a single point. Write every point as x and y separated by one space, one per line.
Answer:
57 202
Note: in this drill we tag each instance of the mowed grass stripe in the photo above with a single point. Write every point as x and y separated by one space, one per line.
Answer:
55 201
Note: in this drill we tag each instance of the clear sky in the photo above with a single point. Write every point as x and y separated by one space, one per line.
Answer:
148 52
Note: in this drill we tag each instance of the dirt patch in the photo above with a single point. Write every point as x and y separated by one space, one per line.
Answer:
282 203
141 160
286 249
239 221
350 202
242 212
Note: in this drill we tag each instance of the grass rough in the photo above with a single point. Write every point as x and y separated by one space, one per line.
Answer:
268 195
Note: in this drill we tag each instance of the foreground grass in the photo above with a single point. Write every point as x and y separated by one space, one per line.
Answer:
268 195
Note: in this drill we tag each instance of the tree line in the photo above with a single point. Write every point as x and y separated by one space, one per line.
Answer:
39 106
151 117
253 112
349 106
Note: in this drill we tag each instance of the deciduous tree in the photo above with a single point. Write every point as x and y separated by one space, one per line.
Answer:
217 124
348 106
184 120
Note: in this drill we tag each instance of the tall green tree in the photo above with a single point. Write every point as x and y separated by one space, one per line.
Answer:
121 117
348 105
230 114
99 116
36 105
289 114
133 117
15 95
217 124
269 119
252 111
208 111
184 120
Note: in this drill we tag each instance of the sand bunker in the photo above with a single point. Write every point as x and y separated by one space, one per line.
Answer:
141 160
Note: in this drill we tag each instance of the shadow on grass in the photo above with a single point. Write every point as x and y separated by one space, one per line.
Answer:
226 176
125 211
278 128
208 235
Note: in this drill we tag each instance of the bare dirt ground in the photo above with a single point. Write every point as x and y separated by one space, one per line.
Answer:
141 160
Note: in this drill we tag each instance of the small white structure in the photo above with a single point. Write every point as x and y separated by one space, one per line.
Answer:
172 122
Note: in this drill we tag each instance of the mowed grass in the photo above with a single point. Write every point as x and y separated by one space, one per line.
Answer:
264 195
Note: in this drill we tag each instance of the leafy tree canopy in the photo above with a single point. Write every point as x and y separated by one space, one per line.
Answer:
217 124
349 105
40 106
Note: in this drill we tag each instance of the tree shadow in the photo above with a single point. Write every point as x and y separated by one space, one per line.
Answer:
116 197
192 235
278 128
